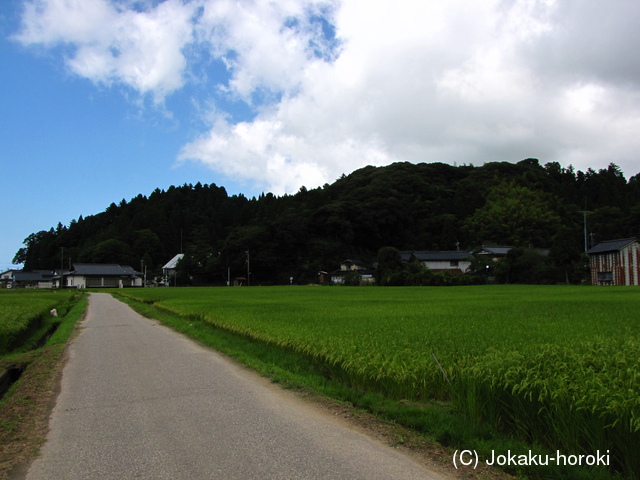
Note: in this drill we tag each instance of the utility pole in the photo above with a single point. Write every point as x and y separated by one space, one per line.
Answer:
585 212
143 271
248 270
586 243
586 246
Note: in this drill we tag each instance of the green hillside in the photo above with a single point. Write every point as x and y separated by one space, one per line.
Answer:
427 206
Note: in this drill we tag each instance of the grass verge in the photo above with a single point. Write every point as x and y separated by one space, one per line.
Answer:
432 429
25 408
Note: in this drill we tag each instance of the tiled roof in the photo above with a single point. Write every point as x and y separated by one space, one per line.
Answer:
27 276
107 269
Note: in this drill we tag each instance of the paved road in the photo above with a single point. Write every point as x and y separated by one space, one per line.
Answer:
139 401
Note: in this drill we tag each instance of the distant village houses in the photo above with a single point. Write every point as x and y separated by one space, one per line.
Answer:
612 262
83 275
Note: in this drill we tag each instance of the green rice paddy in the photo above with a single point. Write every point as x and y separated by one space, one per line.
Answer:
21 310
556 366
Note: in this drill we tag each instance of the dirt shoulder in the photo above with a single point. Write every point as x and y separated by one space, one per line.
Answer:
24 413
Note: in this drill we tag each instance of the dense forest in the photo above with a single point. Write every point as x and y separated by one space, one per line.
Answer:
405 206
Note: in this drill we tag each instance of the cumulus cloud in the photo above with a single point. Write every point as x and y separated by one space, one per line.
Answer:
442 81
265 45
109 42
335 85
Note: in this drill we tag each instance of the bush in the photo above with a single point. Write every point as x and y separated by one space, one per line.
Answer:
352 279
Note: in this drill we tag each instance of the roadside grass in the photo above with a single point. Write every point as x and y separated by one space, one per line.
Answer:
437 422
25 408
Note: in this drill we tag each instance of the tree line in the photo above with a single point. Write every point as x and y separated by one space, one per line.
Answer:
426 206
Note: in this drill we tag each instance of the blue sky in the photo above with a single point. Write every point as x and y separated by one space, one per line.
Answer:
102 100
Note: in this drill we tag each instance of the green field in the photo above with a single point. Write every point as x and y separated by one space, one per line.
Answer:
556 366
21 310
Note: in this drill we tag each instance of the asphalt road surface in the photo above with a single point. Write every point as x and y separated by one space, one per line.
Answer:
139 401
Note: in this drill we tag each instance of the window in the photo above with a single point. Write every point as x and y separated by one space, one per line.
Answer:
453 263
605 276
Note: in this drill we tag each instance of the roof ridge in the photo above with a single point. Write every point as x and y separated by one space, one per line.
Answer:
631 239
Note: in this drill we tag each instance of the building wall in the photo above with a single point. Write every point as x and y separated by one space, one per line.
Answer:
75 281
624 266
631 257
463 265
80 281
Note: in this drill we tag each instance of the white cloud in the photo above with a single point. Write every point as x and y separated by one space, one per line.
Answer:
108 42
272 155
265 45
591 39
428 81
453 81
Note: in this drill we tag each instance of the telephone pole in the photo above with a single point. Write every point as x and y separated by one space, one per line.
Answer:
61 265
586 241
248 270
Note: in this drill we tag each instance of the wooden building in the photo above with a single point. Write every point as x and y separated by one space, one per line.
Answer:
615 262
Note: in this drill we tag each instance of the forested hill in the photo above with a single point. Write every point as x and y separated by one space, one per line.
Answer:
407 206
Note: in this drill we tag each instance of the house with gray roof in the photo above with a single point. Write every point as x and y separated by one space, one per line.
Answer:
101 275
455 262
27 278
494 252
615 262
